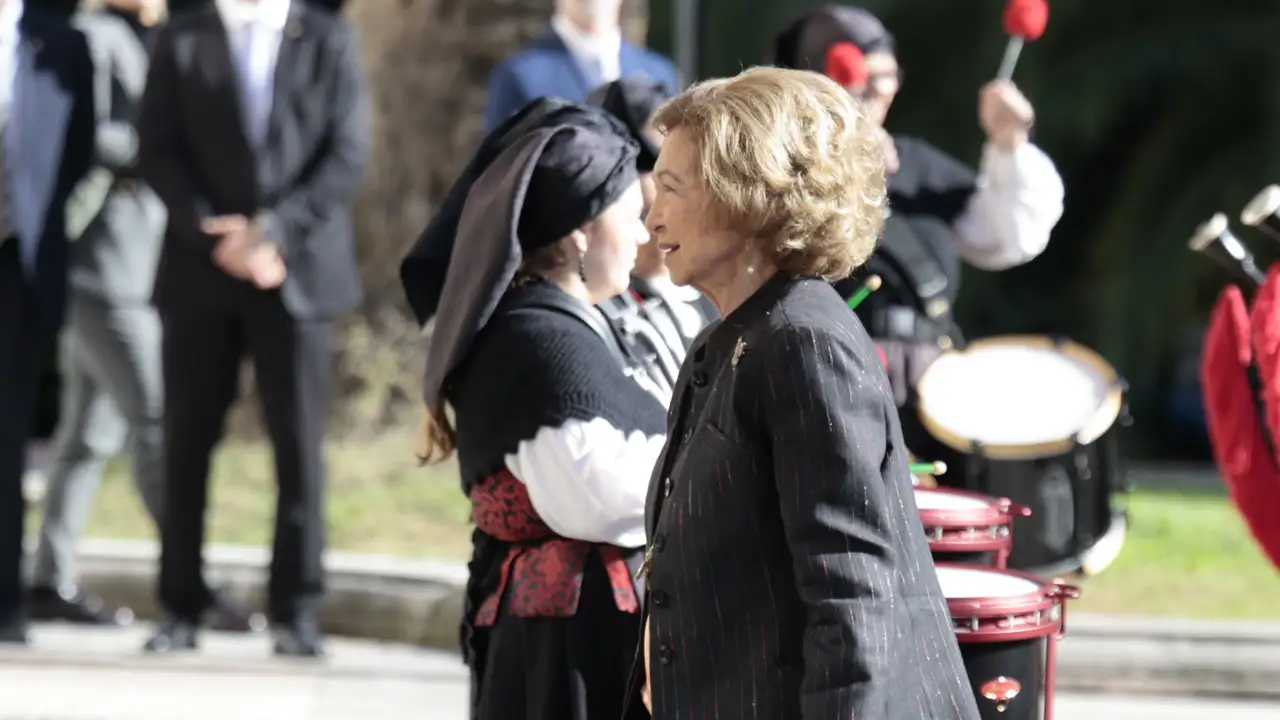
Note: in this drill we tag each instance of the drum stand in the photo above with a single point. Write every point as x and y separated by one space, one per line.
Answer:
1065 592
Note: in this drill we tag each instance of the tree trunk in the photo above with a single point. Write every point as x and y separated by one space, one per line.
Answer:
427 64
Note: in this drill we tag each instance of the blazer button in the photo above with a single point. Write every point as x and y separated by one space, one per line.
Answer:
700 378
666 487
659 542
666 655
660 599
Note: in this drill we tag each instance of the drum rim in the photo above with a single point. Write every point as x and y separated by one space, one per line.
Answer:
1102 420
995 512
1042 597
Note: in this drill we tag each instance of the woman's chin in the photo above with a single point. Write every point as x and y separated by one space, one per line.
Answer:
679 274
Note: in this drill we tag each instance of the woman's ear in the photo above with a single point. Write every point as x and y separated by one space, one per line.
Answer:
578 238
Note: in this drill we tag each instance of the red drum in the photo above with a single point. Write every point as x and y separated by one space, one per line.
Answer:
966 527
1008 624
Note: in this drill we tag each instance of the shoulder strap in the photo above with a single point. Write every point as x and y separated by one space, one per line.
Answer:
903 248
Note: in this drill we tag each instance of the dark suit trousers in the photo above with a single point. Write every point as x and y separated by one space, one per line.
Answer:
203 349
22 348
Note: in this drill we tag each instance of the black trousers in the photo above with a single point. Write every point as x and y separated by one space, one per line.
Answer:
23 348
203 350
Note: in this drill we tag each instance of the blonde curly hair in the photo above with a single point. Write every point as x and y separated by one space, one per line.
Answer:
791 159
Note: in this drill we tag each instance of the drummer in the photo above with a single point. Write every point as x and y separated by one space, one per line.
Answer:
941 212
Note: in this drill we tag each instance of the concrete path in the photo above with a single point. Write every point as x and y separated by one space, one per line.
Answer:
74 674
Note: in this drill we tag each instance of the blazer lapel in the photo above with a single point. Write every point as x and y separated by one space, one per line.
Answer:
220 71
631 62
573 73
677 420
293 64
34 138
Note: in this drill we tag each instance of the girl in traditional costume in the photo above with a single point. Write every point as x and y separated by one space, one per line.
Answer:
555 443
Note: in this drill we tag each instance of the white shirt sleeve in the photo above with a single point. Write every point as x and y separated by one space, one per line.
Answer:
1010 217
588 480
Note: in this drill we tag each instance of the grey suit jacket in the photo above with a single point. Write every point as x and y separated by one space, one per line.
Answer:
116 226
791 578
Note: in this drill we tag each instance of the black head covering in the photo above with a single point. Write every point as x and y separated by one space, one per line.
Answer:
536 191
633 101
423 270
804 44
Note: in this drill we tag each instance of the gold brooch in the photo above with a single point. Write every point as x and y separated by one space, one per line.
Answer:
738 351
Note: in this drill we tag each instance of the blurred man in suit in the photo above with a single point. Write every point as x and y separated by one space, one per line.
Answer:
112 386
253 131
46 146
583 49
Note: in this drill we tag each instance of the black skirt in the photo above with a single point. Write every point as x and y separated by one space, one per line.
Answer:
573 668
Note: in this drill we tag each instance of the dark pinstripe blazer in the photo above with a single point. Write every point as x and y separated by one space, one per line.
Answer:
790 575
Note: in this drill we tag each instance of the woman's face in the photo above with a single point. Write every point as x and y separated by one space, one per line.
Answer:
612 241
700 250
883 81
649 261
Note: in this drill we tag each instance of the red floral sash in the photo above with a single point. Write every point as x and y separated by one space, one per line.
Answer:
542 570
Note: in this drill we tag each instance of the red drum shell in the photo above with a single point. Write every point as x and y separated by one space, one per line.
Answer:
956 522
1007 618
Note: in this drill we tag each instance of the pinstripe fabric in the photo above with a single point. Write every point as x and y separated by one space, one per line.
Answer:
791 579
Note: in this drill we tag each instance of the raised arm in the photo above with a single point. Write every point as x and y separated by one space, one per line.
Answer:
1011 215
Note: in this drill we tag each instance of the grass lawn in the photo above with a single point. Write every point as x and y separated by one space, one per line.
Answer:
1186 554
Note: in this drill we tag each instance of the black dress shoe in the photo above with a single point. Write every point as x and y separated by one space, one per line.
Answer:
300 638
80 608
226 615
13 631
173 635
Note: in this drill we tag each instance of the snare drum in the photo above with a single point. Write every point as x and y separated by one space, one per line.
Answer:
1008 624
1031 418
965 527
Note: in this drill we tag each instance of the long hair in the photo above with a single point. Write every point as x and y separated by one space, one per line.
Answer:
435 437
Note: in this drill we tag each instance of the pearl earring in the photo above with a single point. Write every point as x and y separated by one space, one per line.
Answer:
751 269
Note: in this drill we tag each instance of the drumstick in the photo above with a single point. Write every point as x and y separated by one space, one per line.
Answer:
871 285
933 468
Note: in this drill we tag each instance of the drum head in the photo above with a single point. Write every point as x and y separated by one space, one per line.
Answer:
1019 397
933 499
971 583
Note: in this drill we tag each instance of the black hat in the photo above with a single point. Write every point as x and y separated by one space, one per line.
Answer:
804 44
634 101
423 270
539 189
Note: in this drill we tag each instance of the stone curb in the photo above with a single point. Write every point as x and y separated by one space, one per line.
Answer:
419 602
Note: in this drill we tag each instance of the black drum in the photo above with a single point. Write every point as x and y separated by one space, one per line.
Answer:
1034 419
1008 624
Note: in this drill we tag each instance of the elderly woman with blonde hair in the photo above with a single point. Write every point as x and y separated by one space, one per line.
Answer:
787 571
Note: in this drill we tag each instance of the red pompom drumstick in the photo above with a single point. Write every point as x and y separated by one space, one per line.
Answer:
846 64
1024 21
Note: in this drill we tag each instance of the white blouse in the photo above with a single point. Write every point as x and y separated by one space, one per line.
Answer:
588 480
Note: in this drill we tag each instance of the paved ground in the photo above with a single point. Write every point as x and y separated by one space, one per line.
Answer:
81 675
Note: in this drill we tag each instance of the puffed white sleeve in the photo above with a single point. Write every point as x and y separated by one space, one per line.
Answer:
588 479
1011 215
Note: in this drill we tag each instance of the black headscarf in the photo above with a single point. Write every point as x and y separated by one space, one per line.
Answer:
633 101
423 270
804 44
545 184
